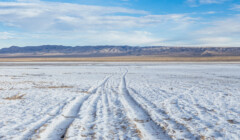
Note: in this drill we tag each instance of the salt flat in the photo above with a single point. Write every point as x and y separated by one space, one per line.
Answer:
52 101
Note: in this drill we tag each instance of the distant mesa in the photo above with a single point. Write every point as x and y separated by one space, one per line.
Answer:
110 51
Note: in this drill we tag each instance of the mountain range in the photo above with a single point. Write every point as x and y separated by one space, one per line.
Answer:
110 51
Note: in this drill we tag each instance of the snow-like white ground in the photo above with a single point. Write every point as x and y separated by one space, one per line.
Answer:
52 101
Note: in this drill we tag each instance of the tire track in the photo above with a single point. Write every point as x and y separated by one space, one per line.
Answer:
116 124
88 117
56 129
175 129
54 125
106 114
123 127
147 127
85 126
34 127
103 117
99 129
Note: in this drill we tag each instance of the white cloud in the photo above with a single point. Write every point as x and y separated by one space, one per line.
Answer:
87 24
236 7
134 38
195 3
225 27
39 16
215 41
141 38
224 32
6 35
211 1
73 24
209 12
28 0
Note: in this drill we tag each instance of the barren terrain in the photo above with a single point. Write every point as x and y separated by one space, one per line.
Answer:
125 59
64 100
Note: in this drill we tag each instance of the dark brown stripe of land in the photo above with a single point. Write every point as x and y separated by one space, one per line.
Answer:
126 59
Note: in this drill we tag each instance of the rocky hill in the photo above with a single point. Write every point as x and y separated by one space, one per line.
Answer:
106 51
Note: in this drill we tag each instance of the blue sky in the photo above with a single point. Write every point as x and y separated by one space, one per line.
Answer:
120 22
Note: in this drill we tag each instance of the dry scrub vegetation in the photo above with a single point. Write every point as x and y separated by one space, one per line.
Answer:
54 87
15 97
86 92
125 59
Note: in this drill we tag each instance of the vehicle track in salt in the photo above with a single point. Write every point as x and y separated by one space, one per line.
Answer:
109 111
114 114
34 127
144 123
53 126
87 118
159 116
103 118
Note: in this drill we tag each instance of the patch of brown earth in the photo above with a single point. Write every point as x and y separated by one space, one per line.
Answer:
15 97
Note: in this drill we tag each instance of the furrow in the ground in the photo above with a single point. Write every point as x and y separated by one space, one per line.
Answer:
33 128
147 127
124 127
84 126
56 129
175 129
